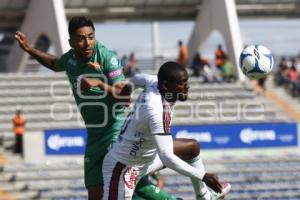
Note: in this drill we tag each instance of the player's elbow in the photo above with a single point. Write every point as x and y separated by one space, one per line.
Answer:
166 159
53 65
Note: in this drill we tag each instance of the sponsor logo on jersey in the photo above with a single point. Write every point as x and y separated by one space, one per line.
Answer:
115 73
114 61
136 147
130 178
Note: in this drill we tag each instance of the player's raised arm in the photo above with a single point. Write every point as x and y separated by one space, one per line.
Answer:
121 90
43 58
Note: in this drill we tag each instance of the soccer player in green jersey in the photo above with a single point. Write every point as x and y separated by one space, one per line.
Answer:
103 119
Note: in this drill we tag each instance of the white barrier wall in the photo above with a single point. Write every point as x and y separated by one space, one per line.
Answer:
35 150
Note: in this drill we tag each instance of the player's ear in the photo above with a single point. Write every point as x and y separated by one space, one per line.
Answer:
70 43
164 86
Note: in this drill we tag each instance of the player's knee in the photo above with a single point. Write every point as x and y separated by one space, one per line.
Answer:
194 148
186 149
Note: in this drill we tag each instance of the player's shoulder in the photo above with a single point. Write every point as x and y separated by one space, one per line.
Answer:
67 59
153 96
143 80
68 55
103 51
150 79
107 57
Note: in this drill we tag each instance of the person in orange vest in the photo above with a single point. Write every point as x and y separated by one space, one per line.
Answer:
183 55
219 57
19 129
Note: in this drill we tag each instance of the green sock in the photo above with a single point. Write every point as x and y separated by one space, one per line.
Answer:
146 190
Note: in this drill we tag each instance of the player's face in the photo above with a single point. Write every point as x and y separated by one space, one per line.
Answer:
83 42
180 88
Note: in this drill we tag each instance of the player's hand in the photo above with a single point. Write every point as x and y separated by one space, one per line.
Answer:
88 83
22 40
95 65
212 181
123 90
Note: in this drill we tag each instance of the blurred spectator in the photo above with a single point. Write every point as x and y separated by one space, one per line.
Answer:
130 69
202 69
283 65
261 83
210 75
289 77
293 81
281 72
124 61
227 73
219 57
198 64
19 129
183 55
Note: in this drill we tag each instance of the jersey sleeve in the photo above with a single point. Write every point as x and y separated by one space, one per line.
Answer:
159 118
141 80
113 69
61 62
164 145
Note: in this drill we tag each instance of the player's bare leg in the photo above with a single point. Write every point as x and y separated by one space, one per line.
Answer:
186 149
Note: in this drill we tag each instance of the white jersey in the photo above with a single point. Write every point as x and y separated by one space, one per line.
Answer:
151 115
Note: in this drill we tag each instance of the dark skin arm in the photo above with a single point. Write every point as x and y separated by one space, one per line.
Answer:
43 58
212 181
120 91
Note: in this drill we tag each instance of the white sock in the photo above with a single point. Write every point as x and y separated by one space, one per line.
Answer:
200 188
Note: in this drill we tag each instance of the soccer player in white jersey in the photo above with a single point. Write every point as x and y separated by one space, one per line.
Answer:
145 143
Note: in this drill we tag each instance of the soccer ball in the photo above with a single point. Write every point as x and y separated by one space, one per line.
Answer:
256 61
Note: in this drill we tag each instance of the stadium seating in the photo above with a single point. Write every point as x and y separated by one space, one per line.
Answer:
48 103
252 177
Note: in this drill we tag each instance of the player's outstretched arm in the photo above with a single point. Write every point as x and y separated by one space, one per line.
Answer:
45 59
121 90
164 144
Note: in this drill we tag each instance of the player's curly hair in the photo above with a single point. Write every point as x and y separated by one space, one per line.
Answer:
170 72
79 22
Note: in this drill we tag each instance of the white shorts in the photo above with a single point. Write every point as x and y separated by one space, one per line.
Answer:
120 180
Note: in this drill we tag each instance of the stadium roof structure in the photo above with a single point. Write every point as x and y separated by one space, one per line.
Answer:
12 12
